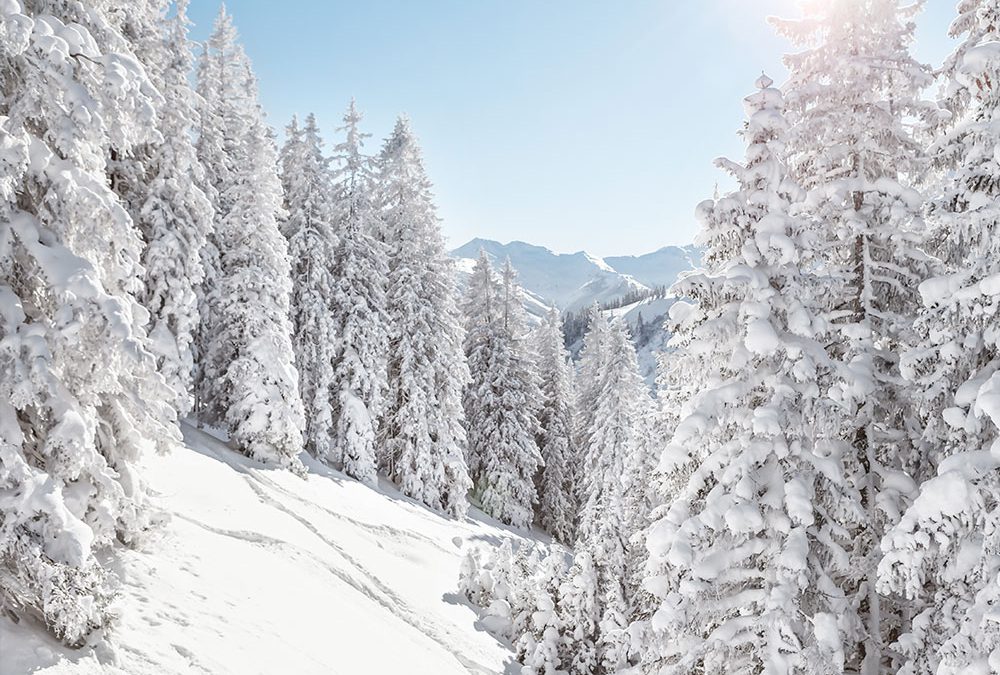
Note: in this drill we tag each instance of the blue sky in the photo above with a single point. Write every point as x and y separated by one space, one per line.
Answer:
572 124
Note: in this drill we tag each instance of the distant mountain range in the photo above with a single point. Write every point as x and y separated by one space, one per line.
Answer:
573 281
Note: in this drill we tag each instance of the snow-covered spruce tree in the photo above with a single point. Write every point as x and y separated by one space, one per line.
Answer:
744 561
578 614
538 648
942 555
359 307
616 440
249 383
481 307
80 398
588 374
852 147
215 147
311 242
501 401
557 504
422 427
977 23
175 216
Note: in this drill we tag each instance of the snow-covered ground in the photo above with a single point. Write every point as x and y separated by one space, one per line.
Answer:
258 571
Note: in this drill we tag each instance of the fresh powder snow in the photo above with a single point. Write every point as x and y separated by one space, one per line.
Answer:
259 571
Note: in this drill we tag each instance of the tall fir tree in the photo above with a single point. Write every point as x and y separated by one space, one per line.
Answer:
249 381
218 72
360 265
852 146
501 404
308 227
481 307
942 555
743 561
593 353
422 429
557 494
80 398
175 215
616 441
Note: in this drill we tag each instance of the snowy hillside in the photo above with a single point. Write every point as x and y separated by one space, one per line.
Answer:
259 571
573 281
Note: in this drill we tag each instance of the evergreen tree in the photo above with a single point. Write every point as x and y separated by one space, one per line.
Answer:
175 216
311 242
80 398
219 71
422 428
359 307
941 556
852 147
616 440
481 307
506 424
248 381
579 613
589 369
538 647
740 561
557 498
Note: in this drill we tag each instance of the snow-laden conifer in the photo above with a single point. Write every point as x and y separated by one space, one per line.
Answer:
502 397
309 230
579 614
940 558
249 383
80 398
481 307
358 305
852 146
175 216
744 560
538 648
422 428
589 369
615 441
557 495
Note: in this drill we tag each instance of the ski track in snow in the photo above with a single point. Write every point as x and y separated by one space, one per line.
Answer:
388 563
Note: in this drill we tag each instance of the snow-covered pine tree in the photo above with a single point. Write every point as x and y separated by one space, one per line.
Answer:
852 146
481 307
80 398
977 23
579 613
422 428
942 555
215 147
615 441
538 648
740 560
359 307
248 380
506 421
311 242
588 377
175 216
557 505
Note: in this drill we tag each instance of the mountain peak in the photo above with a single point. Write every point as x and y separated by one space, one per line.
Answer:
572 281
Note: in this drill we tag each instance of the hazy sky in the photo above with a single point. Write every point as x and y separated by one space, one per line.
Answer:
572 124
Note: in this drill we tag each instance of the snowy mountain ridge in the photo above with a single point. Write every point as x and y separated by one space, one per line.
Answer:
573 281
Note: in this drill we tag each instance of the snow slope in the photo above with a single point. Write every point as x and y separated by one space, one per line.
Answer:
258 571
